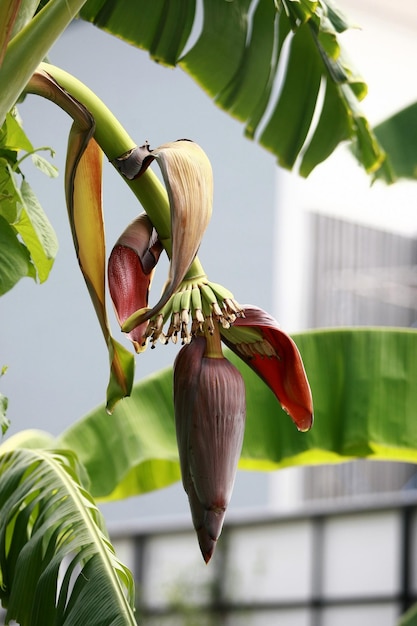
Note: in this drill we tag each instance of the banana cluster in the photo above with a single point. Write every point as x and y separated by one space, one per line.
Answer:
194 309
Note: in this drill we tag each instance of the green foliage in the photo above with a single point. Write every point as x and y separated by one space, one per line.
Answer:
356 376
48 517
28 241
240 71
4 422
398 135
53 546
296 40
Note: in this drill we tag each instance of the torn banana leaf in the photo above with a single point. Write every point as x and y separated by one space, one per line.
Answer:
364 393
247 52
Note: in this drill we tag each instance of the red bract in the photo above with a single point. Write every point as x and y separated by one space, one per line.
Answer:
130 270
210 408
276 359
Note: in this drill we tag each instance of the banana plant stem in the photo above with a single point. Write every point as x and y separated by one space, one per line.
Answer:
213 344
115 142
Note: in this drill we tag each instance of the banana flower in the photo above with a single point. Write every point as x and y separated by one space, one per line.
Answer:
130 271
209 392
210 411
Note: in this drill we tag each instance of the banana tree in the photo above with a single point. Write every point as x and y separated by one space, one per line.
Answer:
53 546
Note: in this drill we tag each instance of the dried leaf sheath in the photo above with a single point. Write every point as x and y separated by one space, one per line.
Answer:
83 193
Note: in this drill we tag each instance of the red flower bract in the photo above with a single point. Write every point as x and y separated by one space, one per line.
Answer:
130 270
283 371
210 408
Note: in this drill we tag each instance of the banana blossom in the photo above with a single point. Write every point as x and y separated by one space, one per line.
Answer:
209 392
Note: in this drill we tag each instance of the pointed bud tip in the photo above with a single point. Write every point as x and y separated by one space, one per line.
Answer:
213 522
206 543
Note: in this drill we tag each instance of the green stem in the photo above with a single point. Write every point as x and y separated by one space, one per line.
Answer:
195 271
115 141
27 49
109 133
213 344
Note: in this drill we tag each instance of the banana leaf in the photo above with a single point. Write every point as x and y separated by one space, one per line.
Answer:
28 42
398 136
363 384
365 398
245 52
56 563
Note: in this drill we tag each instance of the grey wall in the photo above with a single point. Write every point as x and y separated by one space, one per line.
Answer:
50 338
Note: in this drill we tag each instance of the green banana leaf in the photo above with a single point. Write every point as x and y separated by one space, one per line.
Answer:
245 53
398 136
365 398
29 40
242 50
56 563
363 383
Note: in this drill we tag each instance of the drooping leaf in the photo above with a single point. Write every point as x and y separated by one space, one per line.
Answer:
398 136
44 165
37 233
364 394
83 192
331 129
202 61
251 84
13 137
11 201
240 59
14 258
18 204
160 27
297 100
56 563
